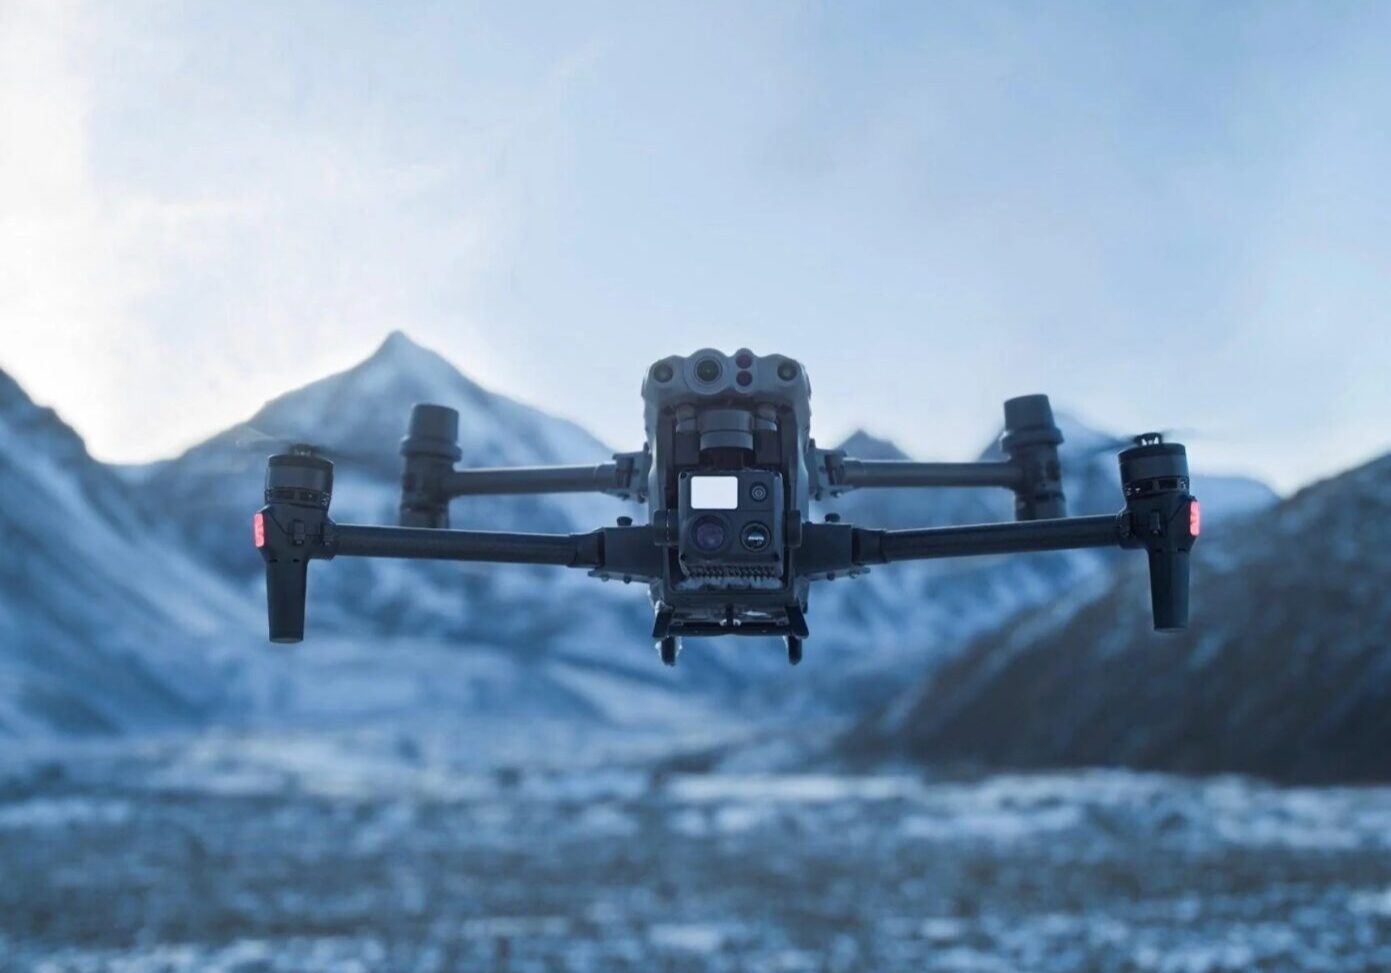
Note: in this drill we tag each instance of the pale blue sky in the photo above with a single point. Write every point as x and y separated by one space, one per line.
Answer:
1168 215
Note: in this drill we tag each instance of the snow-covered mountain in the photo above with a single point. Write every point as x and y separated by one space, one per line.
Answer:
106 623
1286 670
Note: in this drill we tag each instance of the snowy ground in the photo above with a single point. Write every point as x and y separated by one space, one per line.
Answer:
329 852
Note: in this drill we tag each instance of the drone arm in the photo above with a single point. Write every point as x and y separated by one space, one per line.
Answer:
832 550
888 546
627 553
1165 523
850 474
1031 471
430 481
290 536
1160 516
424 543
294 528
600 478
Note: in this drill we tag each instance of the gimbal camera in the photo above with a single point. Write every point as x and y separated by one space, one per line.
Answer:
728 474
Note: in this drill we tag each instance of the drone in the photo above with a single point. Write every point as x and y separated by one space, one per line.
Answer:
728 473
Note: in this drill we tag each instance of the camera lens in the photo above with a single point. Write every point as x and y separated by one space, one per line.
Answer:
709 534
662 372
708 370
787 371
755 537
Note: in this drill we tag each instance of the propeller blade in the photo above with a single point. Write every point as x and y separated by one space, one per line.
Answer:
1114 444
259 443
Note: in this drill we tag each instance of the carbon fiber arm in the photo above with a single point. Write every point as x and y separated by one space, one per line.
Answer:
1031 471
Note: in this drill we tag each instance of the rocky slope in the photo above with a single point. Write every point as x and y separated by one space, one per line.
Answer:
1285 671
106 623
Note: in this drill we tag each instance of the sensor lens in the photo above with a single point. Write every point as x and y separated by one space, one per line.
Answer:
708 370
709 534
787 371
662 372
755 537
758 493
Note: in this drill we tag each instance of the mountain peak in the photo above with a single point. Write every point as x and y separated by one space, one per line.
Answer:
397 342
861 445
401 367
401 349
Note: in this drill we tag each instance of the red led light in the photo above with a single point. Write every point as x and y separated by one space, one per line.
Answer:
258 529
1195 518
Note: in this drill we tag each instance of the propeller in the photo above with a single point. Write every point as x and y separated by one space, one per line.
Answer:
1114 444
252 445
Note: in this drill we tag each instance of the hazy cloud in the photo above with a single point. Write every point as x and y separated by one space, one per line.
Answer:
1168 216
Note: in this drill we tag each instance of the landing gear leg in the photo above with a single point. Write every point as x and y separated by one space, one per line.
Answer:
794 649
668 648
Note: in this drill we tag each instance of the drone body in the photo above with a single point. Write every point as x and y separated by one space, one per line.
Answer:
728 474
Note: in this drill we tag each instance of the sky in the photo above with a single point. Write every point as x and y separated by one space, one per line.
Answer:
1166 215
